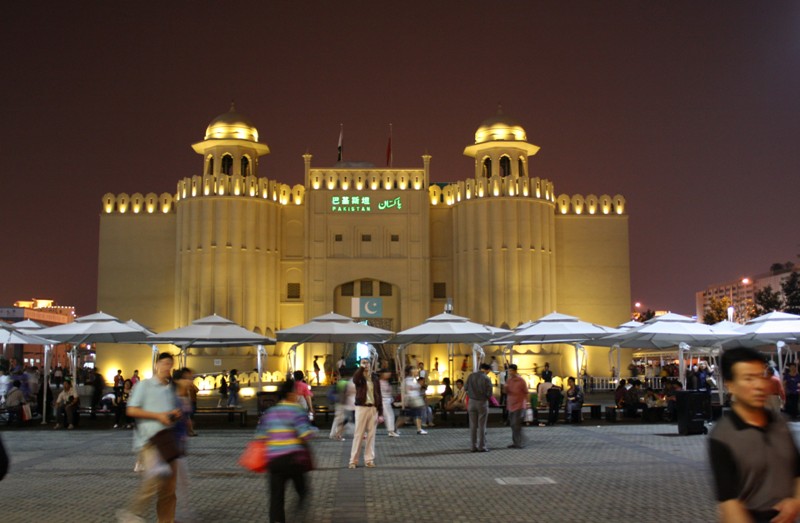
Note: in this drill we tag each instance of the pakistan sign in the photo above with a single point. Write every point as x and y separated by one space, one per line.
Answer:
347 203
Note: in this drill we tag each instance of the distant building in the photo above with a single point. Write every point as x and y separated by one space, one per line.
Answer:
382 244
740 293
44 312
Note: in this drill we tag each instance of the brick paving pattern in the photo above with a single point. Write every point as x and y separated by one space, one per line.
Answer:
613 472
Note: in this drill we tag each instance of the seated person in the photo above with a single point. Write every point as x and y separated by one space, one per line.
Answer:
458 401
66 406
671 397
633 401
619 394
14 401
447 395
574 401
650 398
541 390
554 400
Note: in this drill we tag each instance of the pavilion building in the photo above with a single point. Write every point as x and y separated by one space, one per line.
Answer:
382 244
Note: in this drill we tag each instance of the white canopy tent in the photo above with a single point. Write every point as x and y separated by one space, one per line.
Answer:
672 330
94 328
11 335
450 329
773 328
331 328
558 328
214 331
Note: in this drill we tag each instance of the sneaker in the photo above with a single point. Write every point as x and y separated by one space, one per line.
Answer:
116 426
351 466
370 465
423 432
138 467
393 435
70 427
58 426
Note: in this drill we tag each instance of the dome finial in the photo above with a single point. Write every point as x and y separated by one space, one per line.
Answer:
499 108
233 106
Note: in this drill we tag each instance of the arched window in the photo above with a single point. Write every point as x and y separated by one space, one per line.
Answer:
505 166
522 167
227 164
210 165
487 167
245 166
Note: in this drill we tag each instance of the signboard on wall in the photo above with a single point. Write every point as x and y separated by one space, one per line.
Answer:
362 203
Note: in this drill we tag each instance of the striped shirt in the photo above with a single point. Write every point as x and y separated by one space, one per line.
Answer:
286 428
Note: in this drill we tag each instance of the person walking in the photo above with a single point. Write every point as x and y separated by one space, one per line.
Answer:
387 395
369 412
754 458
412 398
153 404
479 390
233 388
287 431
516 395
791 387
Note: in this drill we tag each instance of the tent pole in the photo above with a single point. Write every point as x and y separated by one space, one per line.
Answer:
259 353
46 387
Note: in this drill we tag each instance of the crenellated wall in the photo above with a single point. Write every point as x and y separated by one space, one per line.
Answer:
496 186
238 185
590 205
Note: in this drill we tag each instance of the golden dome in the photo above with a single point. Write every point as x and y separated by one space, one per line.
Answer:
231 125
500 127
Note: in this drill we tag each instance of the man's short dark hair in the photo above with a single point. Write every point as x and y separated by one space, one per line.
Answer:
486 366
459 380
287 387
513 366
738 355
165 355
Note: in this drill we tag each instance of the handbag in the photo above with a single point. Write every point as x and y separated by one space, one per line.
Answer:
493 401
254 458
26 412
303 459
166 441
529 415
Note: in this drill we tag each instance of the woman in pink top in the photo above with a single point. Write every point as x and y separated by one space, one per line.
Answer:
303 391
776 397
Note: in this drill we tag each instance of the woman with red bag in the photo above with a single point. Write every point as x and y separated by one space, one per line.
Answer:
287 431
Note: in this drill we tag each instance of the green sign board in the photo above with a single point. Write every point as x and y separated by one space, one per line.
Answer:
359 203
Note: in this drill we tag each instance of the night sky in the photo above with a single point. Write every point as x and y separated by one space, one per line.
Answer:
691 110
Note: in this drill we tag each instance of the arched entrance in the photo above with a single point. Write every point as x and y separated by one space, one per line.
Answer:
372 301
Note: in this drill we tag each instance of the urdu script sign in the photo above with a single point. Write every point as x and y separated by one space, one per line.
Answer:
358 203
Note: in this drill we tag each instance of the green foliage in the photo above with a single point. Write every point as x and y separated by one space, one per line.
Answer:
767 300
791 292
644 316
717 311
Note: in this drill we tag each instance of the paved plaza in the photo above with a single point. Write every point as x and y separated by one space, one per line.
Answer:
580 473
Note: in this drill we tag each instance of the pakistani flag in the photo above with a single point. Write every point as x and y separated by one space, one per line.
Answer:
367 308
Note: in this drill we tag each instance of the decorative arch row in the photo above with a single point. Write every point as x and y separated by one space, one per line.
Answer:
472 188
237 185
138 204
591 204
374 180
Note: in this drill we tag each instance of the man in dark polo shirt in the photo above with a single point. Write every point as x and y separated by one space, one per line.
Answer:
755 461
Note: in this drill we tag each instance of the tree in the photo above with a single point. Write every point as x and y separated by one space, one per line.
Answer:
767 300
644 316
717 310
791 293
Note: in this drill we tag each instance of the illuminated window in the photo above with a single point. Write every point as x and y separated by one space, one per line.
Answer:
439 290
348 289
366 287
227 164
385 289
293 291
245 166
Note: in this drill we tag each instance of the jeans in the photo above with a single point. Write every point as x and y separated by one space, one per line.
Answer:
515 420
163 488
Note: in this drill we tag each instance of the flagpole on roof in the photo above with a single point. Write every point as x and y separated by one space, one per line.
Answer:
389 155
341 136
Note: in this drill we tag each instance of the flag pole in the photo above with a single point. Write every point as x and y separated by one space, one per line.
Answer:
389 155
341 136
